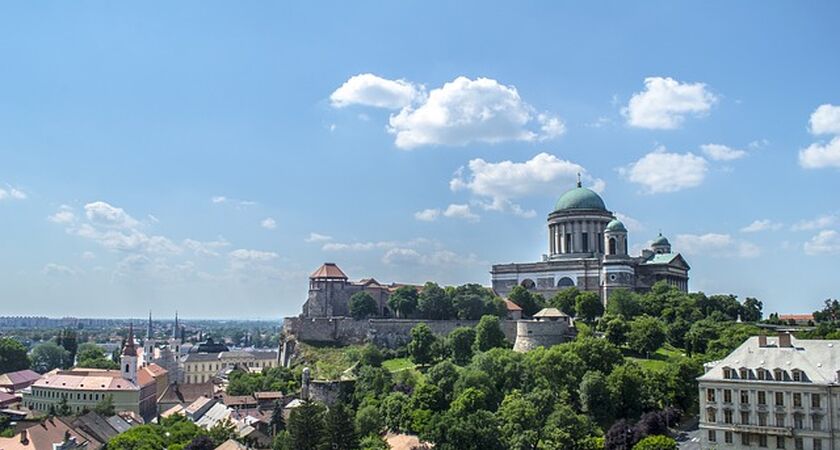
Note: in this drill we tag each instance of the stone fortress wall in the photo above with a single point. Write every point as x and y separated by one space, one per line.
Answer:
531 334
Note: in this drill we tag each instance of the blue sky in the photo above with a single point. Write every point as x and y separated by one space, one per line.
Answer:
144 147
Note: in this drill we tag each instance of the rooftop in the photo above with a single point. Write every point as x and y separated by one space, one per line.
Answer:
92 380
328 270
19 378
580 198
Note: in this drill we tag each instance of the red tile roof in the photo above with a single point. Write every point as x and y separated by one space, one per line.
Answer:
19 379
803 317
512 306
328 270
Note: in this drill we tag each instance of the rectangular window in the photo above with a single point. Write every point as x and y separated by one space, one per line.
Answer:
762 440
797 375
762 398
727 416
762 419
745 397
711 415
780 399
745 418
584 237
710 395
745 439
727 437
727 396
797 444
780 442
815 401
797 421
817 444
600 243
780 420
816 420
761 374
569 243
745 374
797 400
712 436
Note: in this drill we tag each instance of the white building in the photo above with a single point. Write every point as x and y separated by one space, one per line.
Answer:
778 392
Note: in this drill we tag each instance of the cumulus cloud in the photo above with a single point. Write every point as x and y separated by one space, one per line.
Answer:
823 243
368 89
436 258
53 269
661 171
825 120
11 193
427 215
819 222
205 248
102 213
88 255
464 111
761 225
221 199
630 223
268 223
243 254
498 184
316 237
453 211
64 215
715 244
819 155
127 241
720 152
665 103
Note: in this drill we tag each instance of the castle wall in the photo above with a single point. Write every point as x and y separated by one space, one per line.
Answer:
531 334
390 333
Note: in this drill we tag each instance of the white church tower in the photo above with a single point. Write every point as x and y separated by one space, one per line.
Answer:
149 344
128 360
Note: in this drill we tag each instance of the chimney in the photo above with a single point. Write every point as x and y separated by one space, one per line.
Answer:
784 340
24 437
762 340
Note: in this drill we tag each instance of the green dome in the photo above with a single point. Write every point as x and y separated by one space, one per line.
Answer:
616 225
661 240
580 198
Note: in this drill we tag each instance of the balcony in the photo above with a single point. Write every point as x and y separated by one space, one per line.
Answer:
757 429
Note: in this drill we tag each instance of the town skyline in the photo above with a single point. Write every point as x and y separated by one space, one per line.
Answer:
209 166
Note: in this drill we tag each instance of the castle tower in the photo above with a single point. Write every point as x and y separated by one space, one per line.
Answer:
149 343
325 285
128 359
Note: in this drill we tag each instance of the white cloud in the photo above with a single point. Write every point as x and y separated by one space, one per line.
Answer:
666 102
823 221
436 258
12 194
464 111
720 152
824 242
500 183
357 246
242 254
825 120
315 237
715 244
88 255
630 223
761 225
64 215
368 89
129 241
819 155
205 248
221 199
427 215
660 171
54 269
102 213
455 211
268 223
401 256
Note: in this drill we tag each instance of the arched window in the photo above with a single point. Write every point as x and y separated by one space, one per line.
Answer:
528 283
565 282
612 246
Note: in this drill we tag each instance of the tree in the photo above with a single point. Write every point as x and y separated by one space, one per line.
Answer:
588 306
616 331
751 310
460 342
373 443
63 409
67 339
92 356
489 334
306 427
621 436
222 431
362 306
443 375
595 397
13 355
105 407
656 443
646 335
597 354
368 420
627 388
529 302
519 422
341 432
624 303
434 304
373 382
396 412
277 423
830 311
565 300
565 429
420 346
403 301
48 356
202 442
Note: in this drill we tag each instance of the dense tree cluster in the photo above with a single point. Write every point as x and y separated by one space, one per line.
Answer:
173 433
270 379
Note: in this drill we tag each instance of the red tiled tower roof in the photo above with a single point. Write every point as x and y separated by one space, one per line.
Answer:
328 270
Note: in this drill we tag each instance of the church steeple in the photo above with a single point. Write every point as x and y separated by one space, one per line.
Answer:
128 359
149 332
175 328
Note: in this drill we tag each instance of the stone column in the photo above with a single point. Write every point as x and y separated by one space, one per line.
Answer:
550 240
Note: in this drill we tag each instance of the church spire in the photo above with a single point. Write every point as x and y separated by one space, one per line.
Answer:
129 349
149 332
175 328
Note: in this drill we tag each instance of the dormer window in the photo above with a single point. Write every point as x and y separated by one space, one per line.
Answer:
744 373
779 375
798 375
728 373
762 374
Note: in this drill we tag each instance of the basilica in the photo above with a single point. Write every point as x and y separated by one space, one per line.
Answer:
588 249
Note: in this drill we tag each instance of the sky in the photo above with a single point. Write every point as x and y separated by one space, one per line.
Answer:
207 156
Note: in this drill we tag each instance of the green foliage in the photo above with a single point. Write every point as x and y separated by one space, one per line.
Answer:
372 382
105 407
13 356
173 432
460 344
627 389
471 301
565 300
829 313
395 410
373 443
489 334
403 301
420 346
616 331
751 310
646 335
340 428
519 421
529 302
222 431
370 355
588 306
369 420
307 428
624 303
566 429
474 431
434 304
596 354
67 339
595 399
92 356
270 379
48 356
277 423
658 442
362 306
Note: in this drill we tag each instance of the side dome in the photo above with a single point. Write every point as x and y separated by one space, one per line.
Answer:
616 225
580 198
661 240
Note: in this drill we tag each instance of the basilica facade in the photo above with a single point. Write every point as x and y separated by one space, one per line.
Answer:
588 249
